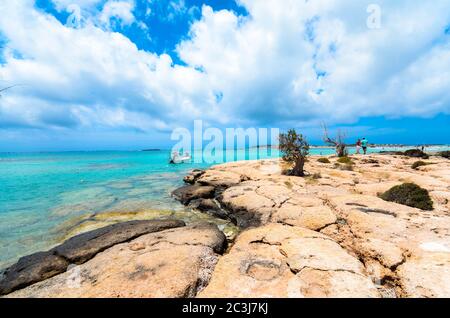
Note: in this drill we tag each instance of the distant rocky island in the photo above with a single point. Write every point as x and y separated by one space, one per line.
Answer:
347 229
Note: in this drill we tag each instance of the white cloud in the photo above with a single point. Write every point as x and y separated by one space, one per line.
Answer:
288 62
120 10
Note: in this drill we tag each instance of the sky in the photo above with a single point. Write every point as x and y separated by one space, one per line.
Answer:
123 74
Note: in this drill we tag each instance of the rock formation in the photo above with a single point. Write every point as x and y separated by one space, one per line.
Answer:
330 234
171 263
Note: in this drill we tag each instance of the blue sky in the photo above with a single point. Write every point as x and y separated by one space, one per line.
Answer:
122 74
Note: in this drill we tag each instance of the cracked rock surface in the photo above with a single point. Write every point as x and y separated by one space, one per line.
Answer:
172 263
357 245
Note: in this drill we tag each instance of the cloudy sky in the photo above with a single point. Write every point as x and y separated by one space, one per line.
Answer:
122 74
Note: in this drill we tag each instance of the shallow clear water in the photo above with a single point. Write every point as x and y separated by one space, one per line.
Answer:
42 195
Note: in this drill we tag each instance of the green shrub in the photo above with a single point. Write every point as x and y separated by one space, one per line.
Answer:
418 164
445 154
409 194
294 148
323 160
345 160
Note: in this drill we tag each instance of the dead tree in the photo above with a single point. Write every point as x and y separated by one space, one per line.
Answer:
338 142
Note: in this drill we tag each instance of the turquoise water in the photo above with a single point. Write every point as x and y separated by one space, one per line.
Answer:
40 193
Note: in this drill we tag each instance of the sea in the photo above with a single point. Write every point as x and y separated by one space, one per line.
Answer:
47 197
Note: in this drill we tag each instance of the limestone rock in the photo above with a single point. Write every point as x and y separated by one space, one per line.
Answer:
426 276
172 263
219 178
247 206
193 176
282 261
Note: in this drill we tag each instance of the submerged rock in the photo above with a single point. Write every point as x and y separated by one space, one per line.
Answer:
77 250
172 263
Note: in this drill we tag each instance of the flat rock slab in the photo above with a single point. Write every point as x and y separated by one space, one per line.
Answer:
171 263
77 250
283 261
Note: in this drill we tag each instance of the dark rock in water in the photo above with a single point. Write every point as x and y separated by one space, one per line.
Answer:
85 246
188 193
193 176
218 241
32 269
77 250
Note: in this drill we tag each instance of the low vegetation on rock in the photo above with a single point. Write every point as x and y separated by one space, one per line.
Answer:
345 160
409 194
418 164
338 142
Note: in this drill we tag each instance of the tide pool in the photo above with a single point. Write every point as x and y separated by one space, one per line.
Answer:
45 196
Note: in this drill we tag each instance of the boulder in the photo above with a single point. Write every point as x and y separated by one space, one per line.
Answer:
167 264
77 250
313 218
415 153
83 247
427 275
32 269
192 192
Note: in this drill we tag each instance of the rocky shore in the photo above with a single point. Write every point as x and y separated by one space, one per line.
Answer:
326 235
